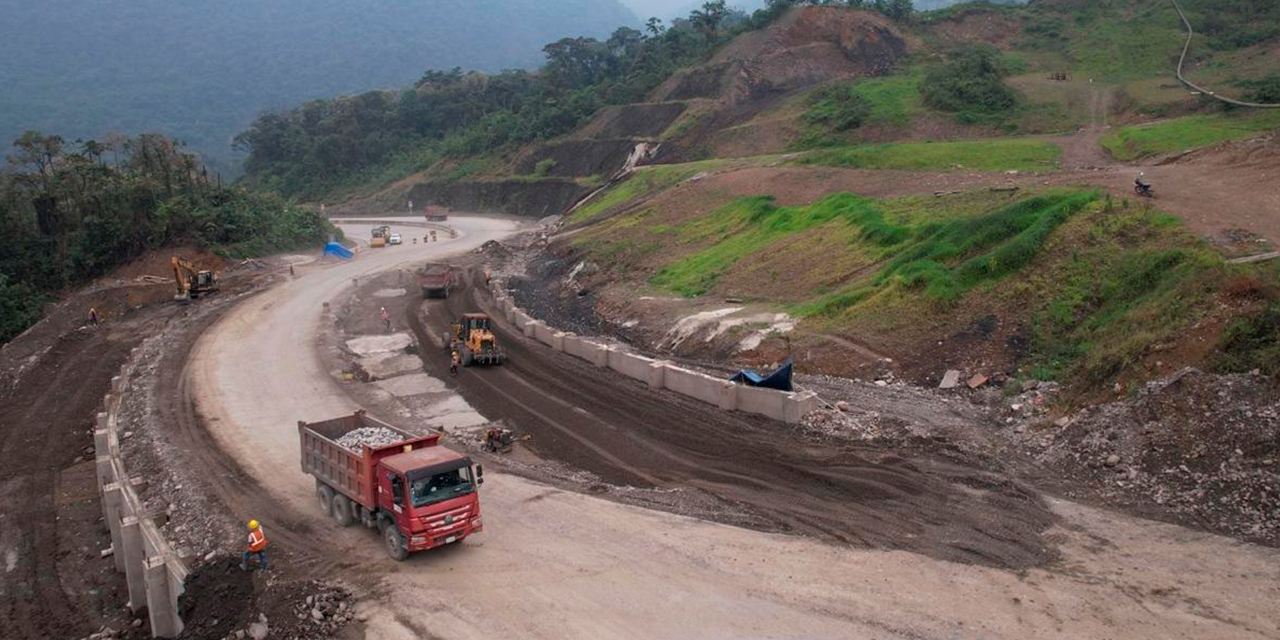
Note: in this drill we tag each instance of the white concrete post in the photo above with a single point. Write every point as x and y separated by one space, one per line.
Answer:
105 475
113 504
134 556
161 607
530 328
557 341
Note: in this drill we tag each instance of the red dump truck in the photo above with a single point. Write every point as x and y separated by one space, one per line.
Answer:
435 280
418 494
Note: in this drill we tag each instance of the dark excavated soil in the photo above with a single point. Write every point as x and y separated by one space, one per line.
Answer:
628 434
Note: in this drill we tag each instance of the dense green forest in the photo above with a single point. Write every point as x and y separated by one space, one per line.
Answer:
204 70
69 213
326 145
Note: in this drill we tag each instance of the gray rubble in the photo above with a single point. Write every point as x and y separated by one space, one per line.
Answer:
372 436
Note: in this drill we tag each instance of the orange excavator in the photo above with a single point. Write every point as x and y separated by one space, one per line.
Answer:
191 281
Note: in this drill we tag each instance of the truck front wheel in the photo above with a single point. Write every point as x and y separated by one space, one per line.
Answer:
325 495
342 511
395 544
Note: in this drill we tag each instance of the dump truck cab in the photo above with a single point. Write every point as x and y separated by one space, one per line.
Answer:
429 497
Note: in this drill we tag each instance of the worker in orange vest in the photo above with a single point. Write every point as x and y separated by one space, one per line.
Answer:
257 546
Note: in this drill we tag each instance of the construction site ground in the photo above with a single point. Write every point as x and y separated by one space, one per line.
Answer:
604 566
833 539
791 533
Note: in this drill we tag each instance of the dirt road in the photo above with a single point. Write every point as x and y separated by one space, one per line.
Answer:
554 564
771 476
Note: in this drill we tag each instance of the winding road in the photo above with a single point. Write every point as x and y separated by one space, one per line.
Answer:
557 564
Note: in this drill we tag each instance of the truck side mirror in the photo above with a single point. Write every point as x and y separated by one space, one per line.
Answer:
479 474
397 490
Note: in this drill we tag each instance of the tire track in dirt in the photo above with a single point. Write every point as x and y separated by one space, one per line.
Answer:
626 433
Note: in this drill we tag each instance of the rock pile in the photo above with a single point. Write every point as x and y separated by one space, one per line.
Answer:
323 613
1205 447
372 436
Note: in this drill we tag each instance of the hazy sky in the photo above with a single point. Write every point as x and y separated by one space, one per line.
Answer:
666 9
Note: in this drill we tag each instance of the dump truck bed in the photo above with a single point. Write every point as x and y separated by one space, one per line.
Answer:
347 471
435 279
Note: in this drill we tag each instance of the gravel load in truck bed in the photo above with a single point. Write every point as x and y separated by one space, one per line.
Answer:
372 436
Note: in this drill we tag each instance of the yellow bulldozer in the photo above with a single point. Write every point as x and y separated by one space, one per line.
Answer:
191 281
474 341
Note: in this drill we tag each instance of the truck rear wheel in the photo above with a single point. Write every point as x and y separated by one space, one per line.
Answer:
342 511
395 544
325 494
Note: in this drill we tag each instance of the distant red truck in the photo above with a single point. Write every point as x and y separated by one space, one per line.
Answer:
435 213
435 280
418 494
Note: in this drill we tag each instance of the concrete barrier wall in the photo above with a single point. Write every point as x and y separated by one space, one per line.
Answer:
766 402
694 384
631 365
545 334
779 405
153 571
593 352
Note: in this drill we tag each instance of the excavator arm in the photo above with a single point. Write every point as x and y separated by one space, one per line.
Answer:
190 281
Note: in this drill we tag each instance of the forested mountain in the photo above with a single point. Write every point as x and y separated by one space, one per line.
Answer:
204 70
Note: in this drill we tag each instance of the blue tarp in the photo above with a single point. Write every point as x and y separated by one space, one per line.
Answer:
779 379
335 249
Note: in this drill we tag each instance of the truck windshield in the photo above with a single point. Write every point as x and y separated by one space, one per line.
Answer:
441 486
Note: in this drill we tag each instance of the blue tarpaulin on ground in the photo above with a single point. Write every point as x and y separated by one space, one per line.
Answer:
779 379
335 249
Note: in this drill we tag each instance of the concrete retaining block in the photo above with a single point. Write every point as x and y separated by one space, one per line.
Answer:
154 573
162 609
593 352
765 402
544 333
778 405
631 365
800 405
134 553
693 384
657 374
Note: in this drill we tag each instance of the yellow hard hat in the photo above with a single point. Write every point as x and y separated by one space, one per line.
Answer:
253 524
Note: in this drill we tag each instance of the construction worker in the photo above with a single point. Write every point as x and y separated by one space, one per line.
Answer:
386 319
93 317
454 361
257 546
